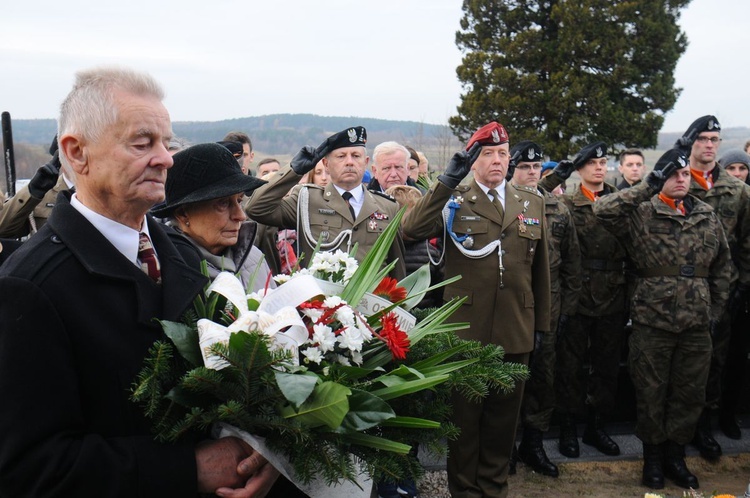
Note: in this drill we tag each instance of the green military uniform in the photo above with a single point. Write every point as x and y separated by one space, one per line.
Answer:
320 213
597 326
684 276
14 216
730 199
565 277
503 308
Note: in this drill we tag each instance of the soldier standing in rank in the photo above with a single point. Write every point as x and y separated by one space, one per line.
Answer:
596 330
730 199
565 277
682 263
497 240
338 215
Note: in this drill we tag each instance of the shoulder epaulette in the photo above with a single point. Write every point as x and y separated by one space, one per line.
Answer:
37 269
530 190
312 185
463 188
383 194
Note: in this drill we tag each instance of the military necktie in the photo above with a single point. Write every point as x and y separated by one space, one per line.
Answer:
347 196
147 258
496 201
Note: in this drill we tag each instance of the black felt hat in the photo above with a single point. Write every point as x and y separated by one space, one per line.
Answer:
203 172
355 136
526 151
591 151
234 147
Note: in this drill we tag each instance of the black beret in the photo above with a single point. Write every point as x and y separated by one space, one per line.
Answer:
592 151
704 123
351 137
526 151
203 172
675 156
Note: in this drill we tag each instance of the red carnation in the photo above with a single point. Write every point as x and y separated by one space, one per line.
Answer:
388 289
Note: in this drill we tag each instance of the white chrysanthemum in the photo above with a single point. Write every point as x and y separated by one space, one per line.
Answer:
333 301
346 316
325 338
349 272
363 328
281 278
356 357
313 355
351 340
343 360
312 314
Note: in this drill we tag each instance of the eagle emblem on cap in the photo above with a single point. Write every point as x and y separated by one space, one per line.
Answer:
682 161
352 134
531 153
711 124
495 136
599 152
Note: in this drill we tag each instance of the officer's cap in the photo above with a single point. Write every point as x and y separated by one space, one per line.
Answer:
489 134
355 136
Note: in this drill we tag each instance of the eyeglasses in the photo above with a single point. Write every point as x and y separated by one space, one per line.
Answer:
524 167
703 140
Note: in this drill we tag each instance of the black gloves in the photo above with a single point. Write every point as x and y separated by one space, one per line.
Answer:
564 169
460 166
685 142
668 163
562 327
307 157
45 178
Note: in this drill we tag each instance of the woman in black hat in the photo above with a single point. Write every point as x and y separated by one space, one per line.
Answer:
204 193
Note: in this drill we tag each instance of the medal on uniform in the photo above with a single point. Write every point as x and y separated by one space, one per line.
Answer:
468 242
372 224
324 235
521 224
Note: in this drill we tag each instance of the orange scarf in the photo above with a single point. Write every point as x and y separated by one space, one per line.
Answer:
675 204
592 196
705 180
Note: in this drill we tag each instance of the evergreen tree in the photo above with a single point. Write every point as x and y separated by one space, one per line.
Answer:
566 73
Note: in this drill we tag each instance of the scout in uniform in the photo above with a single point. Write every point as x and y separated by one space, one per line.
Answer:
682 263
496 239
339 215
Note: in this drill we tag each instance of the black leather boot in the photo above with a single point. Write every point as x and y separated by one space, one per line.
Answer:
675 468
595 436
568 444
513 461
703 440
531 452
653 472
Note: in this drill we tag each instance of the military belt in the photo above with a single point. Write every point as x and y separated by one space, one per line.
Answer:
689 271
602 264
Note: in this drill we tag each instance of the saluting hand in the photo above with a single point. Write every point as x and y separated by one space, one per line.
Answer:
306 159
459 166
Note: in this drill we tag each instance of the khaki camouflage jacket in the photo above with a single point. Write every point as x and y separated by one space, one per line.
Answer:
730 198
682 261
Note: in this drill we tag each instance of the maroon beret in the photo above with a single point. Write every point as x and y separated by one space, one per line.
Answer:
489 134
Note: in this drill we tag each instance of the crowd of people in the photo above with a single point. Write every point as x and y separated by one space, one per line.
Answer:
110 234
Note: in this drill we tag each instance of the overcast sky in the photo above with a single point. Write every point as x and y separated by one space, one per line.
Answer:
389 59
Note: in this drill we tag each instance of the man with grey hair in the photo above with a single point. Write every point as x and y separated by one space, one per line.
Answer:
390 167
80 298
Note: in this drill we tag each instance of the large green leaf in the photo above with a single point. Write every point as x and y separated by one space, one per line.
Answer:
411 423
327 406
365 411
415 283
185 339
376 442
296 387
409 387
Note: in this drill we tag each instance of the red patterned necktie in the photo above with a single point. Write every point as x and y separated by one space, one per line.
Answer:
147 257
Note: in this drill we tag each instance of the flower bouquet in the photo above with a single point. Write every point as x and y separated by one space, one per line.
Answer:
328 375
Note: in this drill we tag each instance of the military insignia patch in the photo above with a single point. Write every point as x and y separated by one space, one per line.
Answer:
495 136
326 211
372 225
599 152
352 133
379 216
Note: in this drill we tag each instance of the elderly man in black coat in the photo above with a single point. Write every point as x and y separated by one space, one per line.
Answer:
77 307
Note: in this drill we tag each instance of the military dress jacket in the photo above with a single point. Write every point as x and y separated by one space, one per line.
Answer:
730 199
328 214
15 211
506 315
78 319
660 241
564 256
602 258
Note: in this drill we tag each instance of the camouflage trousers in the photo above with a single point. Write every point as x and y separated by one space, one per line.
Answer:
539 393
720 343
596 340
669 372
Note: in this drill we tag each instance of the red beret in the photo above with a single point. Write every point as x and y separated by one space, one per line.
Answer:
489 134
